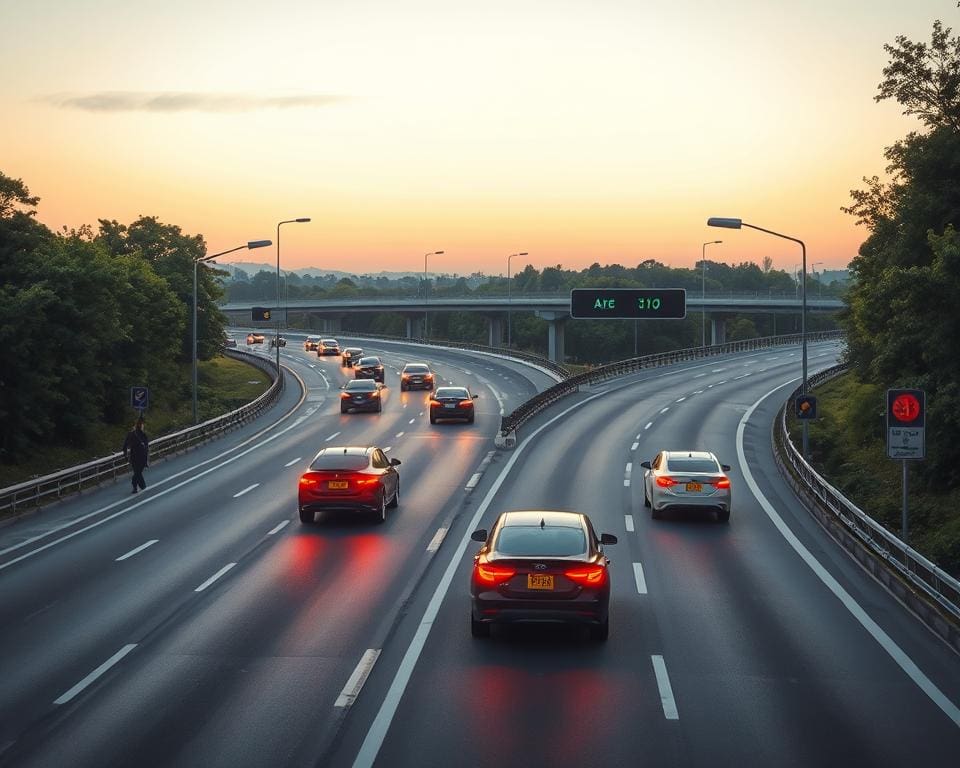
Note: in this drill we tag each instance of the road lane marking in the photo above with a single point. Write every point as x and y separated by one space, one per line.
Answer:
664 410
93 676
634 446
352 689
679 399
884 640
628 521
648 425
138 550
399 434
291 463
278 528
412 420
472 482
331 437
638 577
666 692
437 540
215 576
246 490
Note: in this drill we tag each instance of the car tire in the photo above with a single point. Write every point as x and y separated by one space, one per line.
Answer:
343 410
470 420
656 514
382 510
600 632
403 387
478 628
307 518
723 515
646 499
379 407
432 419
395 501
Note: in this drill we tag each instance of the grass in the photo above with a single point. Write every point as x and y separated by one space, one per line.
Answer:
853 458
223 385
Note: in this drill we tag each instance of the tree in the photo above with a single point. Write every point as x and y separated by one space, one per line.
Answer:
14 193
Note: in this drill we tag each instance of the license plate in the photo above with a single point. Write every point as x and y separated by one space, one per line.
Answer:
449 405
539 581
337 485
694 487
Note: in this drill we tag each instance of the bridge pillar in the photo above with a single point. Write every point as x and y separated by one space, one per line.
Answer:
718 330
494 331
556 322
331 324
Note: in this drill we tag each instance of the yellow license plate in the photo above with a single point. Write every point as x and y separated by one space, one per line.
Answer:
539 581
694 487
337 485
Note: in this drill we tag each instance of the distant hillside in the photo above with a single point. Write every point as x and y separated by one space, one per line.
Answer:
251 268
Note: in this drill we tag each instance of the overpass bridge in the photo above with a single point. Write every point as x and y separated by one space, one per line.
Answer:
555 309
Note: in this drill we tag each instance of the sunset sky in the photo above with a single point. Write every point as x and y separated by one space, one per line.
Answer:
580 131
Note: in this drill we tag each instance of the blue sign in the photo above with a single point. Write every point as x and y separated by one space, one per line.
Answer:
140 398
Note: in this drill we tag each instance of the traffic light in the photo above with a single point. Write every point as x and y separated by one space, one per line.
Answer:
806 407
261 313
905 408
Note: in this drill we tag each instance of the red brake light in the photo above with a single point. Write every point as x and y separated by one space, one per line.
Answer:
588 576
490 575
435 403
344 396
365 481
722 482
665 482
466 403
308 480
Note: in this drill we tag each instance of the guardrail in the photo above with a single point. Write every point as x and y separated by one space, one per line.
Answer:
58 484
907 563
509 423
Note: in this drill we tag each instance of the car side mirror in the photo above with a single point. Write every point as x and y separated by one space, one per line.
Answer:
479 535
395 462
645 464
608 538
725 467
476 396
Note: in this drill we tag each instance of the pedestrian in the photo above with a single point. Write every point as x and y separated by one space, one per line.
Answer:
136 448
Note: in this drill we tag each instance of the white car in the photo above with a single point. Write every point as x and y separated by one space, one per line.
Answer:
685 481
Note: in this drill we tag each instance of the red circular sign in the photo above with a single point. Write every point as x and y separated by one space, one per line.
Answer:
905 407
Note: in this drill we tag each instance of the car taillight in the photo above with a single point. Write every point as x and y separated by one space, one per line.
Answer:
428 376
465 404
721 482
363 482
490 575
309 480
588 576
344 395
435 403
665 482
405 376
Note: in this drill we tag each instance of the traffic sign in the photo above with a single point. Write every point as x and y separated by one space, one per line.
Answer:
140 398
628 303
906 424
806 407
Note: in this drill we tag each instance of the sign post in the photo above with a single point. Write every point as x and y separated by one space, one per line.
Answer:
906 440
140 399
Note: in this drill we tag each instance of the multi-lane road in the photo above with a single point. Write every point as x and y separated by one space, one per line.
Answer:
200 624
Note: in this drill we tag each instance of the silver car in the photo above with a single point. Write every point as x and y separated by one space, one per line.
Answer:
684 481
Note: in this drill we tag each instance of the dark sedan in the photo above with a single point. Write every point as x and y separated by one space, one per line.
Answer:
451 403
361 395
369 368
354 478
416 376
541 566
349 356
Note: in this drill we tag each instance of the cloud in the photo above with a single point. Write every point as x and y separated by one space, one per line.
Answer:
174 101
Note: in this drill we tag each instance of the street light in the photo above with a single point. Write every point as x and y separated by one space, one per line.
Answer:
251 244
301 220
426 298
737 224
703 292
509 300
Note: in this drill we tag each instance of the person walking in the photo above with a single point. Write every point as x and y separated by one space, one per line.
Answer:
136 448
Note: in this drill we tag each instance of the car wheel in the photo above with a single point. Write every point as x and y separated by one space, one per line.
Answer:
379 407
306 517
600 632
396 497
343 410
723 515
478 628
656 514
646 499
432 419
403 387
382 510
470 420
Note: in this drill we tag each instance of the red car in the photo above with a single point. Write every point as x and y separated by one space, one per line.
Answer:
354 478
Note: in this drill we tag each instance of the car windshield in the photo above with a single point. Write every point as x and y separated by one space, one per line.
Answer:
340 461
534 541
361 385
459 392
416 369
690 464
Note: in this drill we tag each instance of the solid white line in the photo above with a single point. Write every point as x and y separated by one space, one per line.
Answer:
139 549
628 521
883 639
352 689
399 434
245 490
638 577
648 425
437 540
215 576
95 674
472 482
666 692
331 437
291 463
634 446
278 528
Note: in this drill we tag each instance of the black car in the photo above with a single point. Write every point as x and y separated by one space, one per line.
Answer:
368 368
451 403
361 395
541 566
349 356
416 376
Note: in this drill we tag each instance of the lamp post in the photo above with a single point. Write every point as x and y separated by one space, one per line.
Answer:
509 299
301 220
703 292
426 297
737 224
251 244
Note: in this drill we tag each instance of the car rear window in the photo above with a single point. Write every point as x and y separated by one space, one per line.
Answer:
341 461
361 385
534 541
687 464
416 369
450 392
369 361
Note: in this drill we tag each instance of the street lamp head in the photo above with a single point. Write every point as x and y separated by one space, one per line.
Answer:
259 243
301 220
718 221
438 253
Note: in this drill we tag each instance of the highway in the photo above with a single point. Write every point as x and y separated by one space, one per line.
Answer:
200 624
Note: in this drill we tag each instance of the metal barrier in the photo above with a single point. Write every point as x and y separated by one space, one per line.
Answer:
73 479
909 564
513 421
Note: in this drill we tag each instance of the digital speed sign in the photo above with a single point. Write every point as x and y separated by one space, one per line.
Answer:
628 303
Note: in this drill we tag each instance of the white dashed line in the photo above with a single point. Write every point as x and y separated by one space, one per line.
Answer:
215 576
437 540
698 375
679 399
698 392
648 425
291 463
412 420
352 689
399 434
666 692
718 370
278 528
78 688
388 449
634 446
638 577
664 410
138 550
628 521
246 490
472 482
331 437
